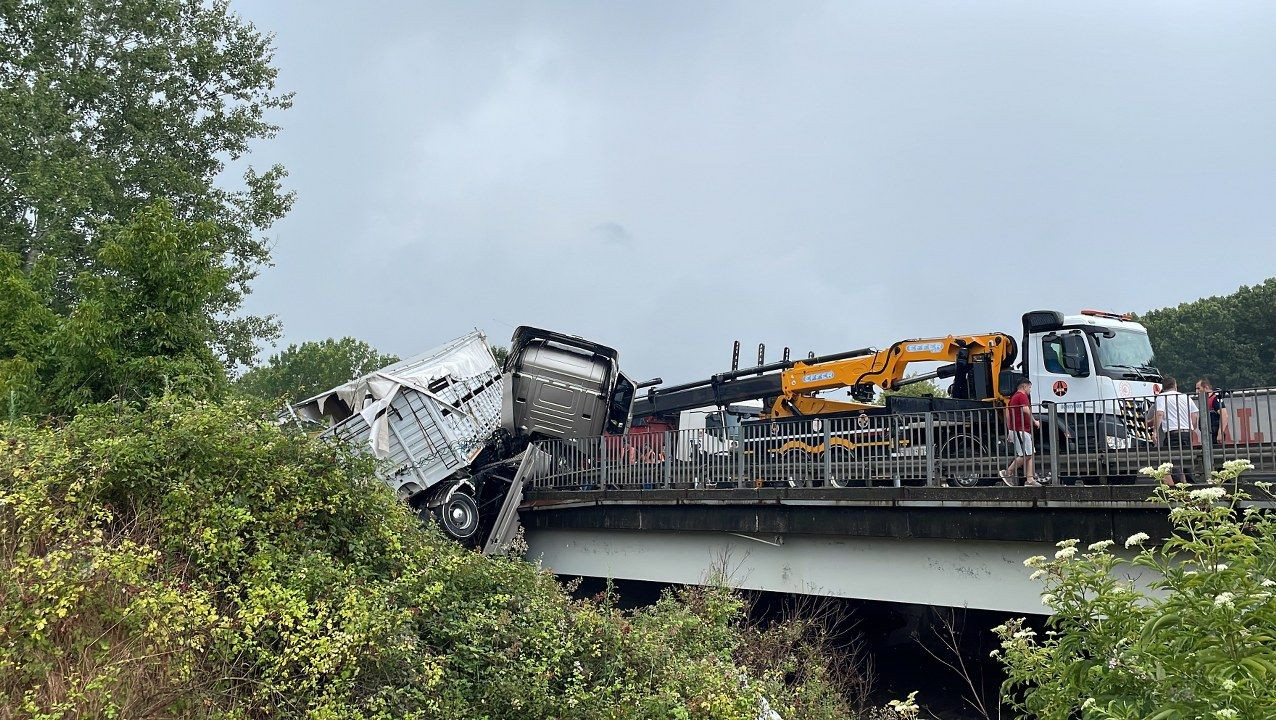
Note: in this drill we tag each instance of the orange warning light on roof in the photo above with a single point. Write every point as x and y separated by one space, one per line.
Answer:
1108 314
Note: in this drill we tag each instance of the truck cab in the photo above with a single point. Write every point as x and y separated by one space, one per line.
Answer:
1092 362
563 386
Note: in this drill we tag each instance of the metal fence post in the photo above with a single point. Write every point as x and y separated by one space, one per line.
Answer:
1207 434
1053 429
739 463
668 448
603 471
930 448
828 450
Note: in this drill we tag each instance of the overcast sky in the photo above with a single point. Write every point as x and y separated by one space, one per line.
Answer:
668 177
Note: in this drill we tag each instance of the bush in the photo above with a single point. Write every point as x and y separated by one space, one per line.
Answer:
190 559
1199 643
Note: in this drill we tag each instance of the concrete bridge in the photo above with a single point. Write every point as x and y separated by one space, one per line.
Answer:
925 545
900 508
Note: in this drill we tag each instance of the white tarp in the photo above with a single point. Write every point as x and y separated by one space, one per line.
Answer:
464 358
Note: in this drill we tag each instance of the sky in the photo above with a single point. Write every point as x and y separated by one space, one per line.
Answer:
666 178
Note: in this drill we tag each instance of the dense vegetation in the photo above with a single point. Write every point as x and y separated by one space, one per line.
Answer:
1229 338
187 558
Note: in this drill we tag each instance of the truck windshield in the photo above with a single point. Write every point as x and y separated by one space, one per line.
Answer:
713 424
1127 350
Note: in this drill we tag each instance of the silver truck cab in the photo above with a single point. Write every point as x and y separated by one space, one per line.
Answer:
563 386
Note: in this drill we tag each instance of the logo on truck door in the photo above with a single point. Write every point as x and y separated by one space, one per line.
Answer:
1060 388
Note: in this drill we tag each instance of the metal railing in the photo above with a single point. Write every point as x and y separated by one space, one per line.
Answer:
1082 442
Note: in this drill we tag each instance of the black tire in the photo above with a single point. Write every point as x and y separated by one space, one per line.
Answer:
458 515
954 457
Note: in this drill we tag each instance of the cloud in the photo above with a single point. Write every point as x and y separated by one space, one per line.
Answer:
825 177
611 233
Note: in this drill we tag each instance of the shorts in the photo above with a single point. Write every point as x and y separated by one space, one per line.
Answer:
1021 442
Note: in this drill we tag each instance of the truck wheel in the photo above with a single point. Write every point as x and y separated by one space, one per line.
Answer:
458 515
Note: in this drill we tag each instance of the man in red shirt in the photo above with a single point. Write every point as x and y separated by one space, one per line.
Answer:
1019 425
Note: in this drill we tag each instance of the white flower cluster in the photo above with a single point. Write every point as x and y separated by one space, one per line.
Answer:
1136 539
1232 469
1034 561
1208 493
1065 553
1101 545
1268 583
1067 543
1158 472
1238 466
906 708
1224 599
1225 713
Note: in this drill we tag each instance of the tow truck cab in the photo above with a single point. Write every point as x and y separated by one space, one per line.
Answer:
1095 363
1091 356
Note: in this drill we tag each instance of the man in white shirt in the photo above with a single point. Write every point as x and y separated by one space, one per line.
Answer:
1175 420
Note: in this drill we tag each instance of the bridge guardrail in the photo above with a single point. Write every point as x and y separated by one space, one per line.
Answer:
1085 442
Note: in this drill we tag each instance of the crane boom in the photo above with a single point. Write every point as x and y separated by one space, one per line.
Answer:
975 362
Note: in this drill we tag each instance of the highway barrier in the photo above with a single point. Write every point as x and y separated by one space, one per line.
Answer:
1096 442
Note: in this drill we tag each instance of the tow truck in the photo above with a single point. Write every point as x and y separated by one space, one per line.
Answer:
1097 366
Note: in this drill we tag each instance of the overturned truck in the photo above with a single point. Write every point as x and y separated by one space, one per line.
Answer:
451 428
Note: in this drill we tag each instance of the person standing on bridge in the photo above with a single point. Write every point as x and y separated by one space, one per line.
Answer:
1220 423
1019 426
1176 418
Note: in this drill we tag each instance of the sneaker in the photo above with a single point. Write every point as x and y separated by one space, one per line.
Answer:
1032 482
1006 478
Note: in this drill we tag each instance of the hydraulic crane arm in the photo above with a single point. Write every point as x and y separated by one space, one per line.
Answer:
763 381
975 362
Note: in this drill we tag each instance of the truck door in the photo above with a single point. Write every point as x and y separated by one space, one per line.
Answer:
1062 369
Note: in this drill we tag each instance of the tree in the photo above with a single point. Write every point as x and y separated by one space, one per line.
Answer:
1198 645
500 353
305 370
107 106
917 389
145 322
1230 339
25 324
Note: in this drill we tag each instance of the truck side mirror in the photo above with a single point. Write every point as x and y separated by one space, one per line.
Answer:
1076 359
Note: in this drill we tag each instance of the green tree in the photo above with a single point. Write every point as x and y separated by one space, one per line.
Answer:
917 389
108 105
25 324
304 370
145 322
501 354
1229 338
